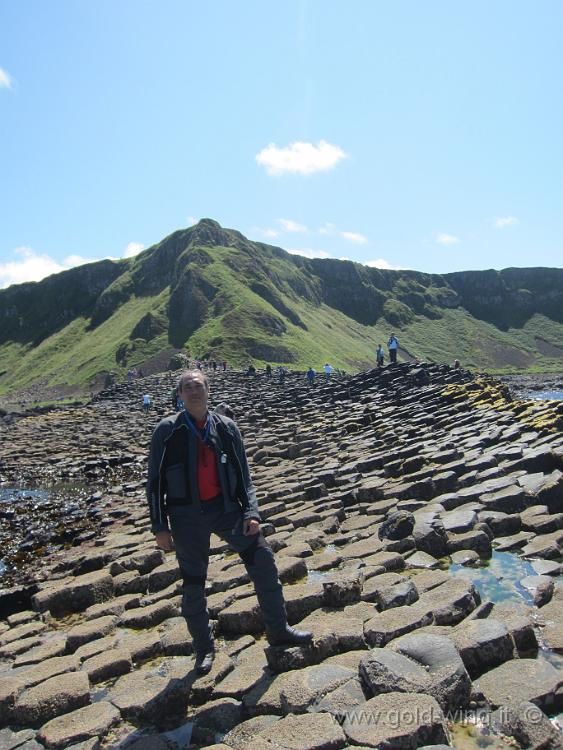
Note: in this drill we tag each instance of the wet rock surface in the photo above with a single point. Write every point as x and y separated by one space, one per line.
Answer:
370 487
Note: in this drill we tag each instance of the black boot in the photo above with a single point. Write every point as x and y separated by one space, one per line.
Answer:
204 662
289 637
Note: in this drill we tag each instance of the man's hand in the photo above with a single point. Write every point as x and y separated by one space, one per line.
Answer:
250 527
164 541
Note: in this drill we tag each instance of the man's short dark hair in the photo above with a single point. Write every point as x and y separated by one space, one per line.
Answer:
191 373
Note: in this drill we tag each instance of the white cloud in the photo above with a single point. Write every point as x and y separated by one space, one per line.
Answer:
76 260
299 158
327 228
191 220
292 226
447 239
5 80
505 221
268 232
383 264
308 252
132 249
32 267
356 237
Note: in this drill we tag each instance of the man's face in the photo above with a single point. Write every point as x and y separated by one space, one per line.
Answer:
194 393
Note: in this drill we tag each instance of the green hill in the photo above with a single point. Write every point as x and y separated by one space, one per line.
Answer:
212 292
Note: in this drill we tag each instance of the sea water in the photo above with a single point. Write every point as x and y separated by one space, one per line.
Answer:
499 579
545 395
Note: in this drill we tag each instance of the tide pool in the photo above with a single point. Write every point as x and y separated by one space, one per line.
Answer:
545 395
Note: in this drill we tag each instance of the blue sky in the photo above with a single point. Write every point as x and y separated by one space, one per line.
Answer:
422 135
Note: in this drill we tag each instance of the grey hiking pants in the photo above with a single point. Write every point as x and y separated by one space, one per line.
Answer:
191 529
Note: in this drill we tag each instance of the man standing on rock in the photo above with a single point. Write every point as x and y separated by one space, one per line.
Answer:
198 483
393 345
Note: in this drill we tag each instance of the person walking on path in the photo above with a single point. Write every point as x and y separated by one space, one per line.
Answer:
328 372
393 345
199 482
310 376
379 356
268 372
146 403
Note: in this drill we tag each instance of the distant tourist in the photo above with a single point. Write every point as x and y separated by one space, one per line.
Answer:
281 374
311 376
328 372
379 356
214 365
268 371
146 403
393 345
224 363
199 482
456 364
251 370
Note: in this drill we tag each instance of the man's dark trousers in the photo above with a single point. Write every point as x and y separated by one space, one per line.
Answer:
191 528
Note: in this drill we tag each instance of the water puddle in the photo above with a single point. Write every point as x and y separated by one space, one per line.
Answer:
545 395
467 735
37 520
13 494
498 579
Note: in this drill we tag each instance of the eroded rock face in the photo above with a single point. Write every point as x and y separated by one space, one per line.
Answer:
363 526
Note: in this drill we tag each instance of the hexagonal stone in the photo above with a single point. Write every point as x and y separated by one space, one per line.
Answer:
74 595
90 631
53 697
441 672
52 647
396 721
104 666
450 602
314 731
91 721
482 644
518 621
540 587
389 590
305 686
519 680
221 714
22 631
392 623
148 617
149 698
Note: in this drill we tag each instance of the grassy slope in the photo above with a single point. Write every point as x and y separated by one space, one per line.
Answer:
331 335
472 341
75 355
